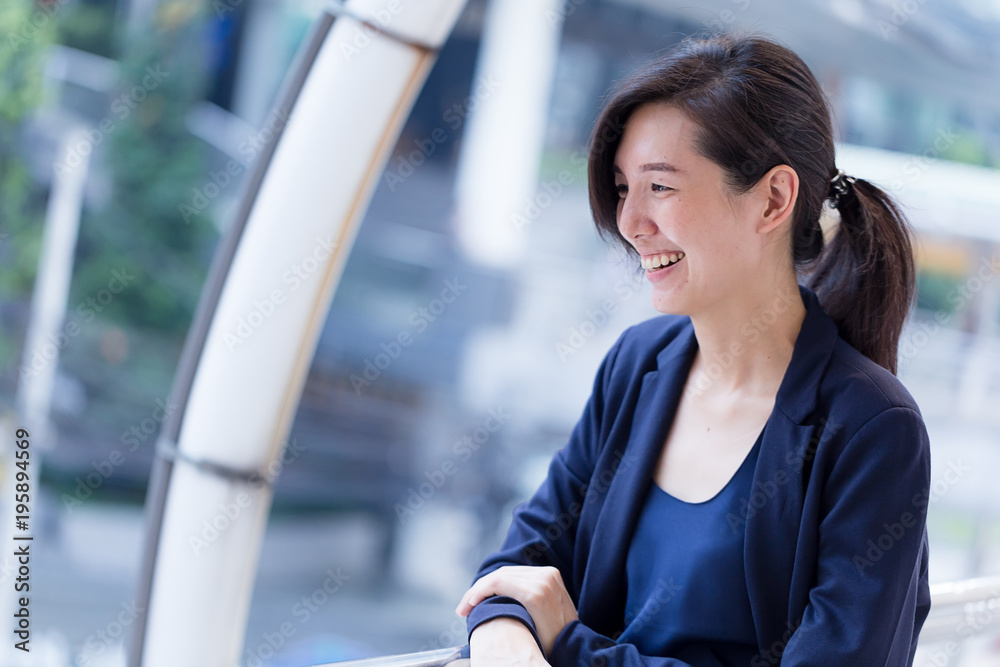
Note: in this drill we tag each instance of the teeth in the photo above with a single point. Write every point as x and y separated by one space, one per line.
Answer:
662 260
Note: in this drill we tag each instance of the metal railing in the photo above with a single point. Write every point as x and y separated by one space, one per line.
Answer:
961 610
456 656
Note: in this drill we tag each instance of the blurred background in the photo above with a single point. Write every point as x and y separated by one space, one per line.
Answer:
405 461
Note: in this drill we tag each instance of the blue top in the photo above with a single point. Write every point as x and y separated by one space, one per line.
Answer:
687 591
845 453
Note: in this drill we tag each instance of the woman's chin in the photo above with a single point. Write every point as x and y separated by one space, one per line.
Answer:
667 305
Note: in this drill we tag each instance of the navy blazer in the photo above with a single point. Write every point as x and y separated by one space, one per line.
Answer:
836 542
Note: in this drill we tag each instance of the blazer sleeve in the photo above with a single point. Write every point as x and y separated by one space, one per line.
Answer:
871 595
543 528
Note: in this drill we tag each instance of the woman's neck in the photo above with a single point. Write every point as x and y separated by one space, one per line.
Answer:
745 343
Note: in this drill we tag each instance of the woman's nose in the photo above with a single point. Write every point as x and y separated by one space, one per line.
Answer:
633 217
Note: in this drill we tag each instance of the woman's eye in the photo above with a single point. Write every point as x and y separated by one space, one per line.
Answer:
622 190
661 188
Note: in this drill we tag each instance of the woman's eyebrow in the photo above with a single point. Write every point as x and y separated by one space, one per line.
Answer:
653 166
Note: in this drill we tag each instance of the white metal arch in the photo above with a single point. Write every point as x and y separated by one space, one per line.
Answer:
337 119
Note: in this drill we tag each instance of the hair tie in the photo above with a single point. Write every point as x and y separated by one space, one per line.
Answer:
839 186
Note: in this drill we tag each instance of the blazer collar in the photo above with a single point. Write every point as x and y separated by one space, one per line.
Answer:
798 391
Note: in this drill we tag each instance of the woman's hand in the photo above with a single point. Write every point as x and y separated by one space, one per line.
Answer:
539 588
502 642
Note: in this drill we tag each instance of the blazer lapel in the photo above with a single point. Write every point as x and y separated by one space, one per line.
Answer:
773 512
603 593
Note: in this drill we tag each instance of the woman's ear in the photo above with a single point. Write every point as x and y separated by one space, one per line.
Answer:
779 189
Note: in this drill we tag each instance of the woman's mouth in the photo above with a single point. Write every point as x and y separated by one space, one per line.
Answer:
658 263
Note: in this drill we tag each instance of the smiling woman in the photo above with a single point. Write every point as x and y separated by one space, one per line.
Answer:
755 436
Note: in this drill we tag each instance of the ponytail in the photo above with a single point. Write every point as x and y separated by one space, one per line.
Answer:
865 275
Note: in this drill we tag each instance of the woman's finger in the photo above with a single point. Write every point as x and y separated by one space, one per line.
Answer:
504 581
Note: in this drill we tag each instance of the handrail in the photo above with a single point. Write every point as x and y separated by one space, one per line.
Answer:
456 655
965 591
962 609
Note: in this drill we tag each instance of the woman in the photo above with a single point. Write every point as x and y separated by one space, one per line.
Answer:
665 533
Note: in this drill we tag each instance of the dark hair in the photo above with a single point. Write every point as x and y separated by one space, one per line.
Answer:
757 105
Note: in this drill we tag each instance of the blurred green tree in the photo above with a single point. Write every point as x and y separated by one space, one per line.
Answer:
154 164
28 32
89 26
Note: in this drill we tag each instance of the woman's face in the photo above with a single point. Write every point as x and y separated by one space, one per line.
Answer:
674 201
